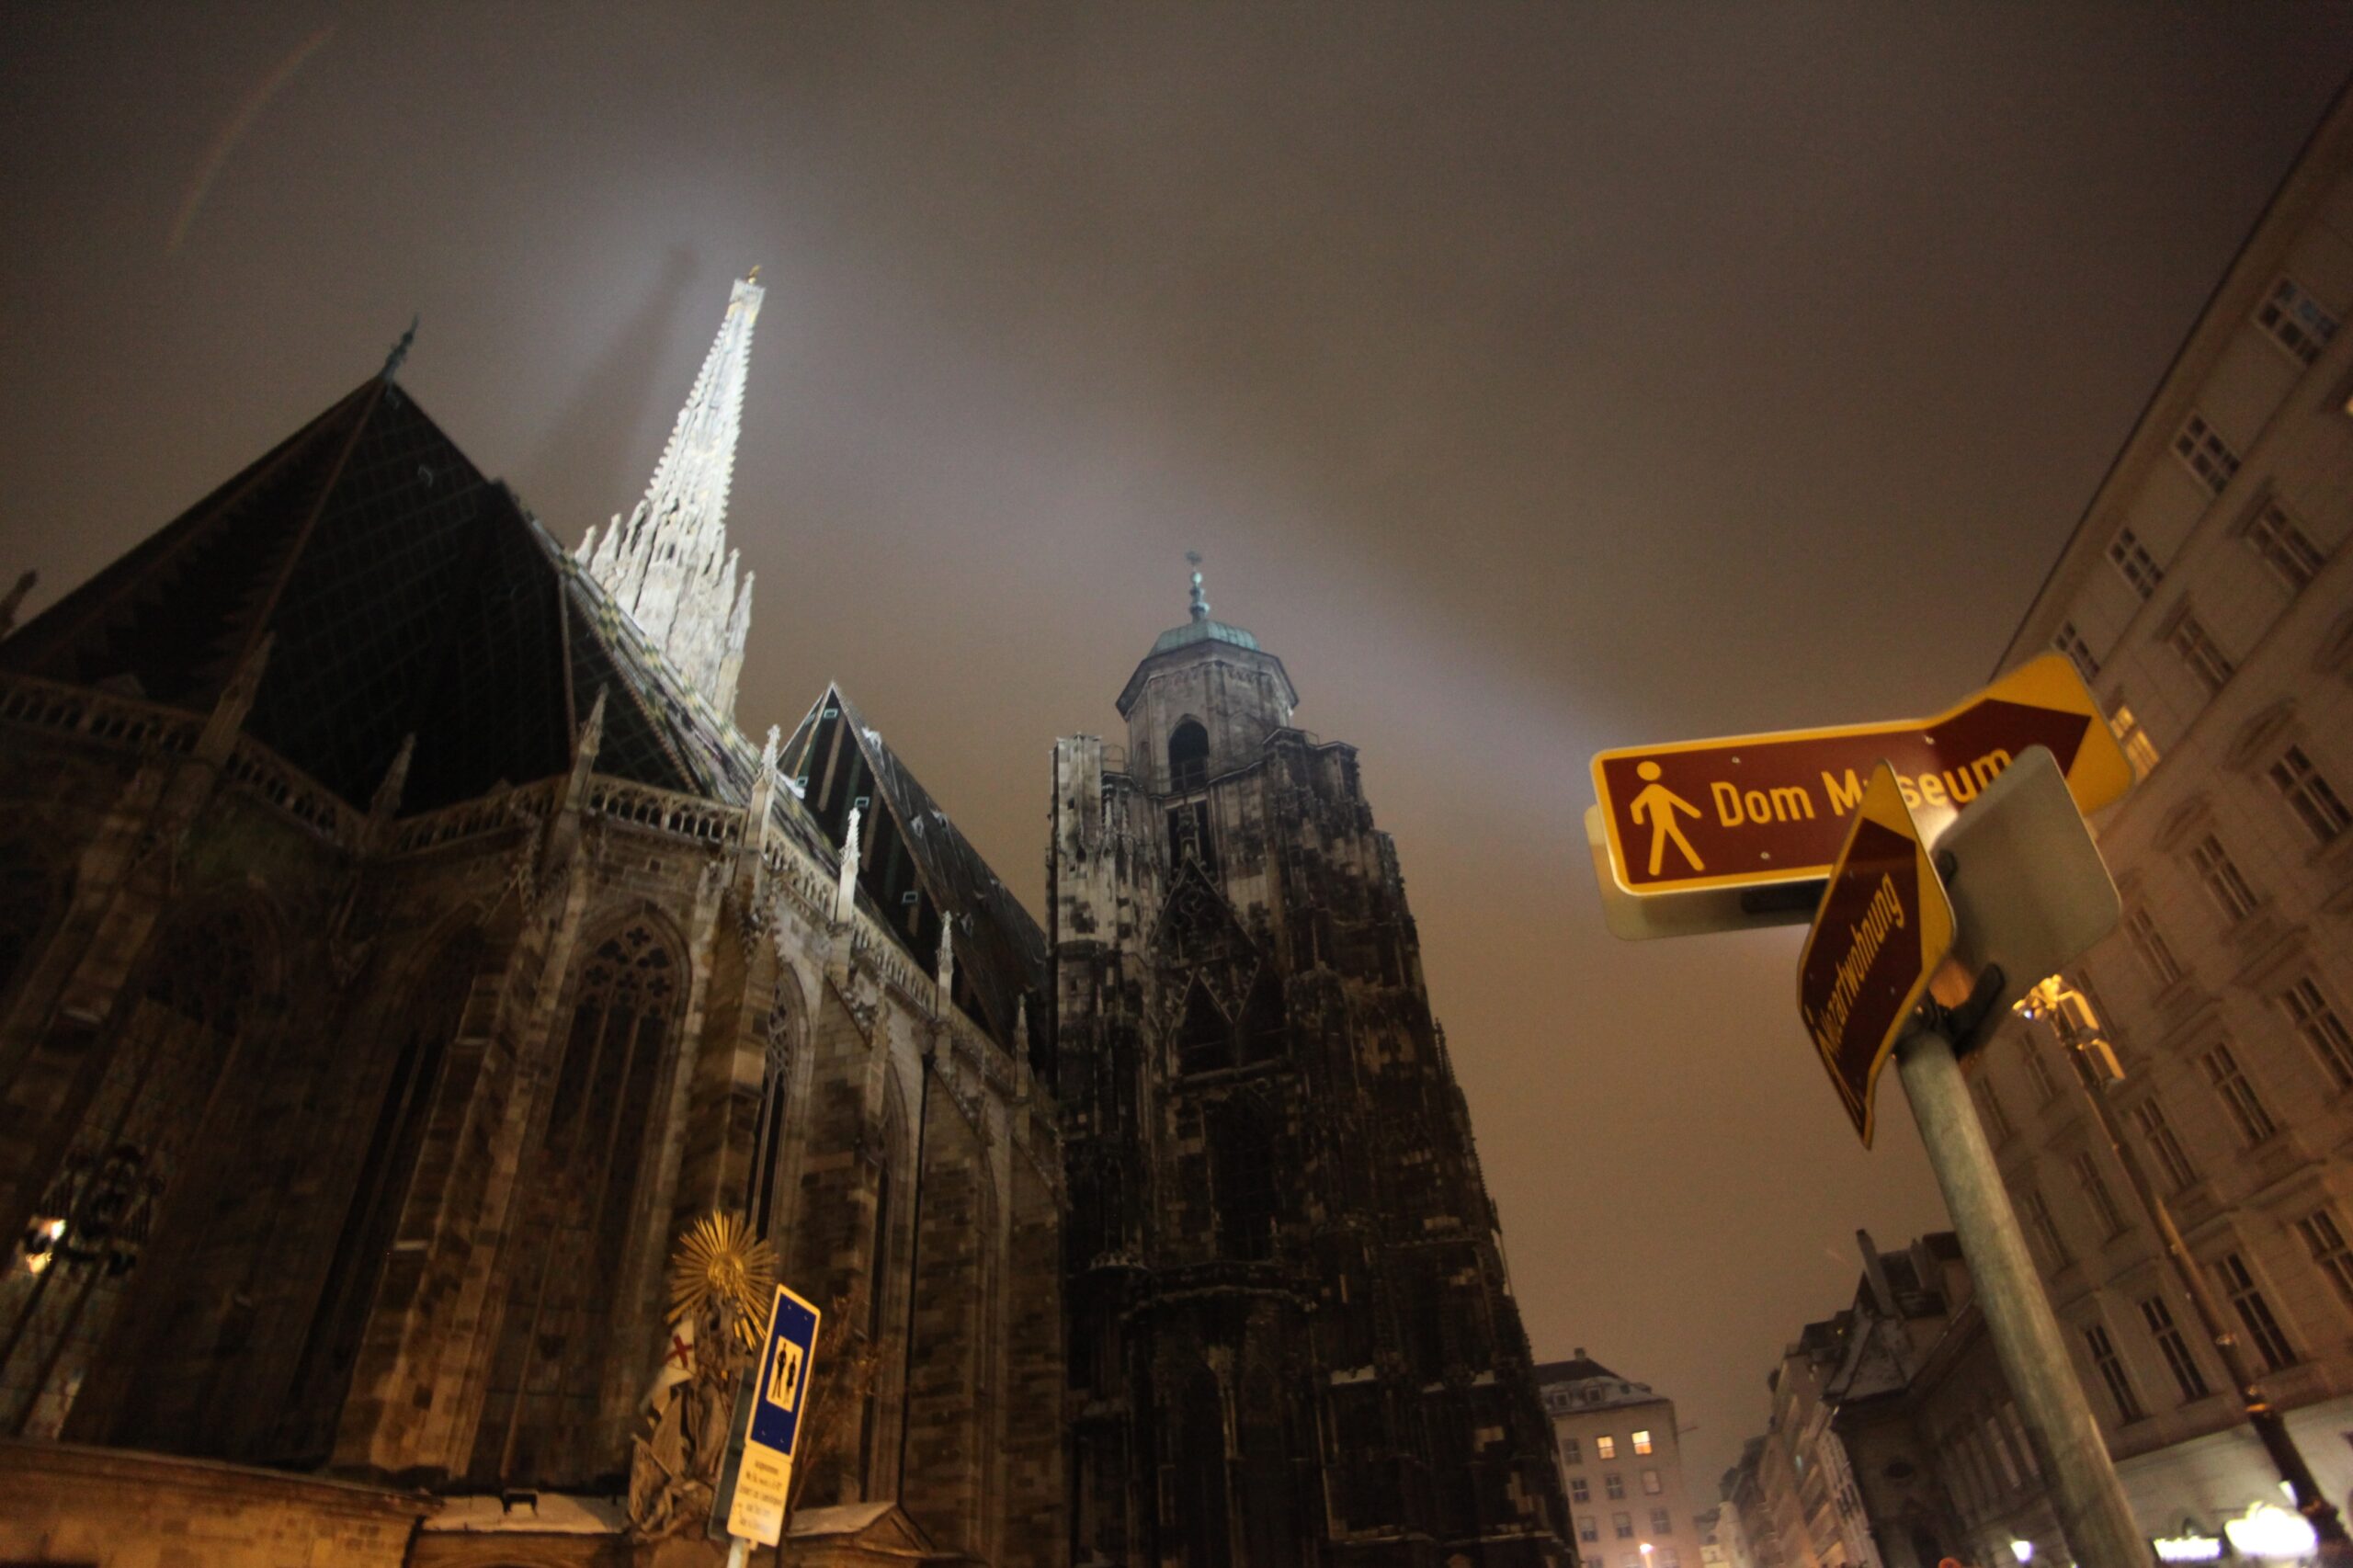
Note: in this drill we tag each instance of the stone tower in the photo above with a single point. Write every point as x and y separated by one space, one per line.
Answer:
1291 1336
669 565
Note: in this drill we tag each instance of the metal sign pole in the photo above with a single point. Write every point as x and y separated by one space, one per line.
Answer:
2085 1492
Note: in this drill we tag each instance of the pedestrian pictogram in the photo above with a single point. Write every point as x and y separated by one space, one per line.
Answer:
1698 820
1658 804
764 1483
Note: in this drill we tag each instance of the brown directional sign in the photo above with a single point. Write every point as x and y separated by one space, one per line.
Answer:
1753 811
1884 926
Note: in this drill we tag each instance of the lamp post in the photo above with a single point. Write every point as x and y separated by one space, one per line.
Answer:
2078 1028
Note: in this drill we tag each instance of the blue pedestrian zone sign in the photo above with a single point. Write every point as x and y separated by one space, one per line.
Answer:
779 1397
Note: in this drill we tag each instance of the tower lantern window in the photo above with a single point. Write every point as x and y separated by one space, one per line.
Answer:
1188 757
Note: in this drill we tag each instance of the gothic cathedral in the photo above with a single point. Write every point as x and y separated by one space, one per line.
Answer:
402 949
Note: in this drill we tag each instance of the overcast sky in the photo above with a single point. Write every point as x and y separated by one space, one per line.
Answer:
1534 378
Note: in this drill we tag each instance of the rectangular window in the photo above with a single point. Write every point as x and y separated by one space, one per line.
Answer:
2097 1196
2238 1096
2150 946
2178 1360
2204 453
1997 1442
1580 1490
2017 1427
1593 1562
2157 1132
1668 1559
2316 804
2132 738
1624 1525
2046 1087
1642 1441
2070 642
2130 556
1990 1112
2321 1233
2036 1213
1652 1484
1588 1529
2112 1372
2322 1030
2285 548
1605 1448
2295 321
1617 1485
2223 883
1571 1451
2238 1283
1660 1523
2197 650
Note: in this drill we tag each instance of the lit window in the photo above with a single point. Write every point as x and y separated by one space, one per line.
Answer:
1580 1490
2130 557
2070 641
2204 453
2045 1230
1652 1484
2285 548
2322 1030
2046 1087
2295 321
2316 804
2223 883
1624 1525
1605 1448
2178 1360
2197 650
1990 1112
1643 1442
2149 944
2112 1372
2097 1195
2238 1283
2238 1096
2157 1130
1617 1485
2133 739
2321 1233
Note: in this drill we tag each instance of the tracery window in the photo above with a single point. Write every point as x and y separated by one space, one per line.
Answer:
768 1136
154 1097
583 1173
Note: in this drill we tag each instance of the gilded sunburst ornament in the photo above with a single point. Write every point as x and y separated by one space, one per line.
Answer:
720 1256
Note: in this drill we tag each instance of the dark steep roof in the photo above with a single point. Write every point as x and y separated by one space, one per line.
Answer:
404 592
917 865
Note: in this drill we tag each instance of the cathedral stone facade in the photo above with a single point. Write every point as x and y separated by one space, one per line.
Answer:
402 947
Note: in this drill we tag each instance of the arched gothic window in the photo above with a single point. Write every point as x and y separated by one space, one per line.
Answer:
1203 1509
768 1136
428 1021
541 1417
151 1102
1188 757
1241 1180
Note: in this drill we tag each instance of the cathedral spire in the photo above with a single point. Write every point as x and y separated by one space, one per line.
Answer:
668 564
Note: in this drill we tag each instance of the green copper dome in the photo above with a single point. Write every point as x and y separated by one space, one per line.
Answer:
1203 631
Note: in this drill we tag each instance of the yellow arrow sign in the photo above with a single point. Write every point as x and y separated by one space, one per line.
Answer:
1753 813
1884 926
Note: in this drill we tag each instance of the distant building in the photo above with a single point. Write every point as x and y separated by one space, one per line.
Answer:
1622 1465
2208 598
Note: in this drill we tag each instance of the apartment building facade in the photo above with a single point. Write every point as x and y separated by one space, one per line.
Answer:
1621 1465
2207 597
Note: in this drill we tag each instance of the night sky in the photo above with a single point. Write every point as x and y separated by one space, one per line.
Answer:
1532 379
